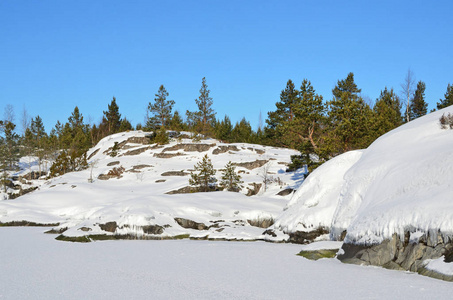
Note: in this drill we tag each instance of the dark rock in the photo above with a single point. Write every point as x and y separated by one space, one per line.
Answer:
224 149
175 173
252 164
254 190
305 237
109 226
400 254
167 155
114 173
153 229
113 163
85 229
137 151
270 232
183 190
160 180
189 224
285 192
189 147
93 154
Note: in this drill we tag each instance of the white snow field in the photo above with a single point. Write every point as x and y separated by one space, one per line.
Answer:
36 266
402 182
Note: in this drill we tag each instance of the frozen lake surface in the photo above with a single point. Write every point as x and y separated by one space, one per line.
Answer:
36 266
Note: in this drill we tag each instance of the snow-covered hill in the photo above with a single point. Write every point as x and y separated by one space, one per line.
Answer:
399 189
143 191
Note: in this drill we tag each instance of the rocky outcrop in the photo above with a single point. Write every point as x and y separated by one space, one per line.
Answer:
305 237
113 173
401 253
189 147
224 149
174 173
167 155
189 224
251 164
183 190
285 192
255 188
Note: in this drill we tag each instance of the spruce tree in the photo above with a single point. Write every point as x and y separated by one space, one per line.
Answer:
418 106
204 179
448 100
231 181
242 132
160 109
176 122
223 129
113 117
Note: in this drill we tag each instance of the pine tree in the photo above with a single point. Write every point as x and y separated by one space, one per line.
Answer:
448 100
231 181
113 117
418 106
176 122
202 119
161 110
349 117
204 179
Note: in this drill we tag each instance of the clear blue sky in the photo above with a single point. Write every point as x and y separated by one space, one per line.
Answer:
55 55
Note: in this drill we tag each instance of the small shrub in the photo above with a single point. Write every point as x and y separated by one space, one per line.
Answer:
446 121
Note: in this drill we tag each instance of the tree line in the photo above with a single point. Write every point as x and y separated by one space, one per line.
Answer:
302 120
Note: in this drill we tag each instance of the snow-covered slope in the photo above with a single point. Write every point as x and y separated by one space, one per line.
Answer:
137 201
401 183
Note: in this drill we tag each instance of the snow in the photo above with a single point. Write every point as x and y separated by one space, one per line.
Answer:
439 265
402 182
35 266
139 198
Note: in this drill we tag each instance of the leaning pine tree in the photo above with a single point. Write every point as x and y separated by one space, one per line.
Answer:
204 179
231 181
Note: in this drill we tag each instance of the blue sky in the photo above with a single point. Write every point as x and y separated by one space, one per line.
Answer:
55 55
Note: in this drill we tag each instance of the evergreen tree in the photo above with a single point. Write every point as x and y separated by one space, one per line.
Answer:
349 117
308 126
38 140
176 122
448 100
231 181
202 119
113 117
418 106
242 132
204 179
223 129
161 110
283 114
125 125
387 113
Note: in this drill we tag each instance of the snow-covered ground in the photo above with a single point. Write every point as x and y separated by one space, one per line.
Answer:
35 266
138 197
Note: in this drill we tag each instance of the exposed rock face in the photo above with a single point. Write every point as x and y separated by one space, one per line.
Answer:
189 147
167 155
254 190
400 254
174 173
285 192
185 223
137 151
303 237
114 173
224 149
153 229
113 163
109 226
252 164
183 190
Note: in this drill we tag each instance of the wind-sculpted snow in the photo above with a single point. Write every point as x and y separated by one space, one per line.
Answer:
401 183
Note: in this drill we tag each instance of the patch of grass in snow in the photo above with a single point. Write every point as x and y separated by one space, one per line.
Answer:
318 254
